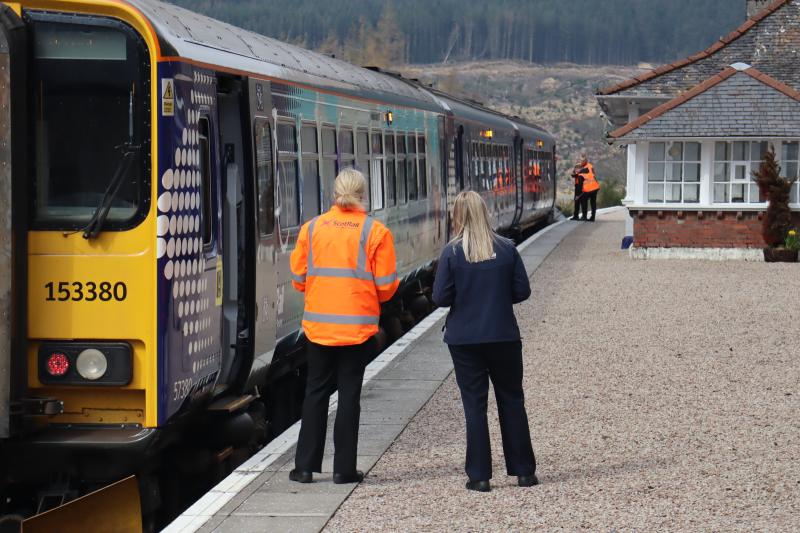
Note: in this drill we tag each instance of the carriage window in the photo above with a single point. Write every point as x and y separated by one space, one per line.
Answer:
310 171
92 127
402 196
376 172
265 188
411 168
288 188
391 171
328 166
423 168
346 153
205 177
362 164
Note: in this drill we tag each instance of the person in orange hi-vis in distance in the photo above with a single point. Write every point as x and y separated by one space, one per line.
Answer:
345 264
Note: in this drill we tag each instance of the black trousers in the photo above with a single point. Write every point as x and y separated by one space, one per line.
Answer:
329 368
475 365
586 199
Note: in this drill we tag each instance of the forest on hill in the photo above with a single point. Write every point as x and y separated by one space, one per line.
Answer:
621 32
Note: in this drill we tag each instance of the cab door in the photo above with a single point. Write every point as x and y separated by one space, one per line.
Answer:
13 213
263 190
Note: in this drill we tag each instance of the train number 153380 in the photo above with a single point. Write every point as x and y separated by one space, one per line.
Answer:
89 291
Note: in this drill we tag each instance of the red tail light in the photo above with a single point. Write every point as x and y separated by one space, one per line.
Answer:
57 364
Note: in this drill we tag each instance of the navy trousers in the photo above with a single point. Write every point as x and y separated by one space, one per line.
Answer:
475 365
331 368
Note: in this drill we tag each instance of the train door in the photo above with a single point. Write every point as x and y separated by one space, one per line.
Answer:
519 183
263 190
236 298
13 237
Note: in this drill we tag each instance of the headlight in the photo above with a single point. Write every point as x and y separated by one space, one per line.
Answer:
91 364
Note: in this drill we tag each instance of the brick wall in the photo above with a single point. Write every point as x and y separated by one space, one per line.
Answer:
698 229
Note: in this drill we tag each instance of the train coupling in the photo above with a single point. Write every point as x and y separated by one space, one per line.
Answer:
37 407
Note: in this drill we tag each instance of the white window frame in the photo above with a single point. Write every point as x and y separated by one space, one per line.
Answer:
748 184
794 196
668 170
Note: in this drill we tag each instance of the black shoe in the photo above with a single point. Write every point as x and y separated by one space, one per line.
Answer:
574 218
582 219
301 476
591 219
341 479
528 481
480 486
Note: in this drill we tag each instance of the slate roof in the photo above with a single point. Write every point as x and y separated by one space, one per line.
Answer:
769 41
737 102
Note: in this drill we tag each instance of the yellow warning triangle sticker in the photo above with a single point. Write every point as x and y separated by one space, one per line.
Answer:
168 91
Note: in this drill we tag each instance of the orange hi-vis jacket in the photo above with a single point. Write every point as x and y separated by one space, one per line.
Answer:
345 263
590 183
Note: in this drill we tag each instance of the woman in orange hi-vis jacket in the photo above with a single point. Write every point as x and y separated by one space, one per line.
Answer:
345 264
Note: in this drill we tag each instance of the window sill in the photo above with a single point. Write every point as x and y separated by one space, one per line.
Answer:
701 207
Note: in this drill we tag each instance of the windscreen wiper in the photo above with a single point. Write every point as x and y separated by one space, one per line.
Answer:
95 224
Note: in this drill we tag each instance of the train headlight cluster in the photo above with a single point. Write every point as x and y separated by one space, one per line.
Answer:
57 364
91 364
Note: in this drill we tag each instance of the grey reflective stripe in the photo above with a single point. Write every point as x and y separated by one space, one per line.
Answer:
360 272
385 280
298 279
353 320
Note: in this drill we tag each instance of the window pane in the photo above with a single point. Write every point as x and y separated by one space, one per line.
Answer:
673 192
721 151
412 144
363 166
655 172
789 151
738 192
328 141
328 175
691 172
287 138
755 194
310 189
411 178
740 151
691 152
308 139
691 194
206 175
346 141
377 143
265 189
793 197
754 166
401 181
790 169
390 143
721 193
677 172
421 145
363 143
740 172
376 187
401 144
657 151
675 152
655 192
757 150
287 186
721 172
391 192
423 178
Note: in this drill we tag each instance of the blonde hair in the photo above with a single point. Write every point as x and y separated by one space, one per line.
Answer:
472 227
349 188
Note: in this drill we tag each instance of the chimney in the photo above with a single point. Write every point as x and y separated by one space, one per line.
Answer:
754 7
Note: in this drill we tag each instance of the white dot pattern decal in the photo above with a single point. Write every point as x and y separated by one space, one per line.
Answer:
182 264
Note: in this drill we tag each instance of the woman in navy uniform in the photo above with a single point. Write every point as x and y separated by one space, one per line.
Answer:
480 276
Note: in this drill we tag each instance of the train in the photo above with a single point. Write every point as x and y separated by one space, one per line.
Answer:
156 166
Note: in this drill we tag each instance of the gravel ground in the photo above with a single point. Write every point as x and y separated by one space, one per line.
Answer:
670 403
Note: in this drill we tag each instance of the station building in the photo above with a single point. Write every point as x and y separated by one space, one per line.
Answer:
696 128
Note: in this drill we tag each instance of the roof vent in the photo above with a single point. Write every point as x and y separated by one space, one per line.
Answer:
740 66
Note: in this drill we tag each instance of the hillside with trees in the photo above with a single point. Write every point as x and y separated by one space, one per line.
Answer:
621 32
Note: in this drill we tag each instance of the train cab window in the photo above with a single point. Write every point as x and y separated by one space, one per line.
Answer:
328 165
265 185
92 122
376 172
206 177
346 153
423 167
288 189
402 197
309 154
391 171
411 168
362 163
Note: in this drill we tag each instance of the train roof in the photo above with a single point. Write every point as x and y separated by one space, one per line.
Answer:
200 38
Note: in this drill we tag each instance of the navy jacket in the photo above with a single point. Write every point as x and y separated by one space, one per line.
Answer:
481 295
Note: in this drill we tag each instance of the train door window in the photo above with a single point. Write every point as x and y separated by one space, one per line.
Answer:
402 196
423 167
205 176
485 166
476 163
328 165
362 163
391 171
309 154
265 187
346 153
411 168
288 187
376 172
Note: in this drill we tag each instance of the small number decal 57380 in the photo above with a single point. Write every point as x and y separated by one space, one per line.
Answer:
77 291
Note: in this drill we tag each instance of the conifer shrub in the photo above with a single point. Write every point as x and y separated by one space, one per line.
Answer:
776 189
